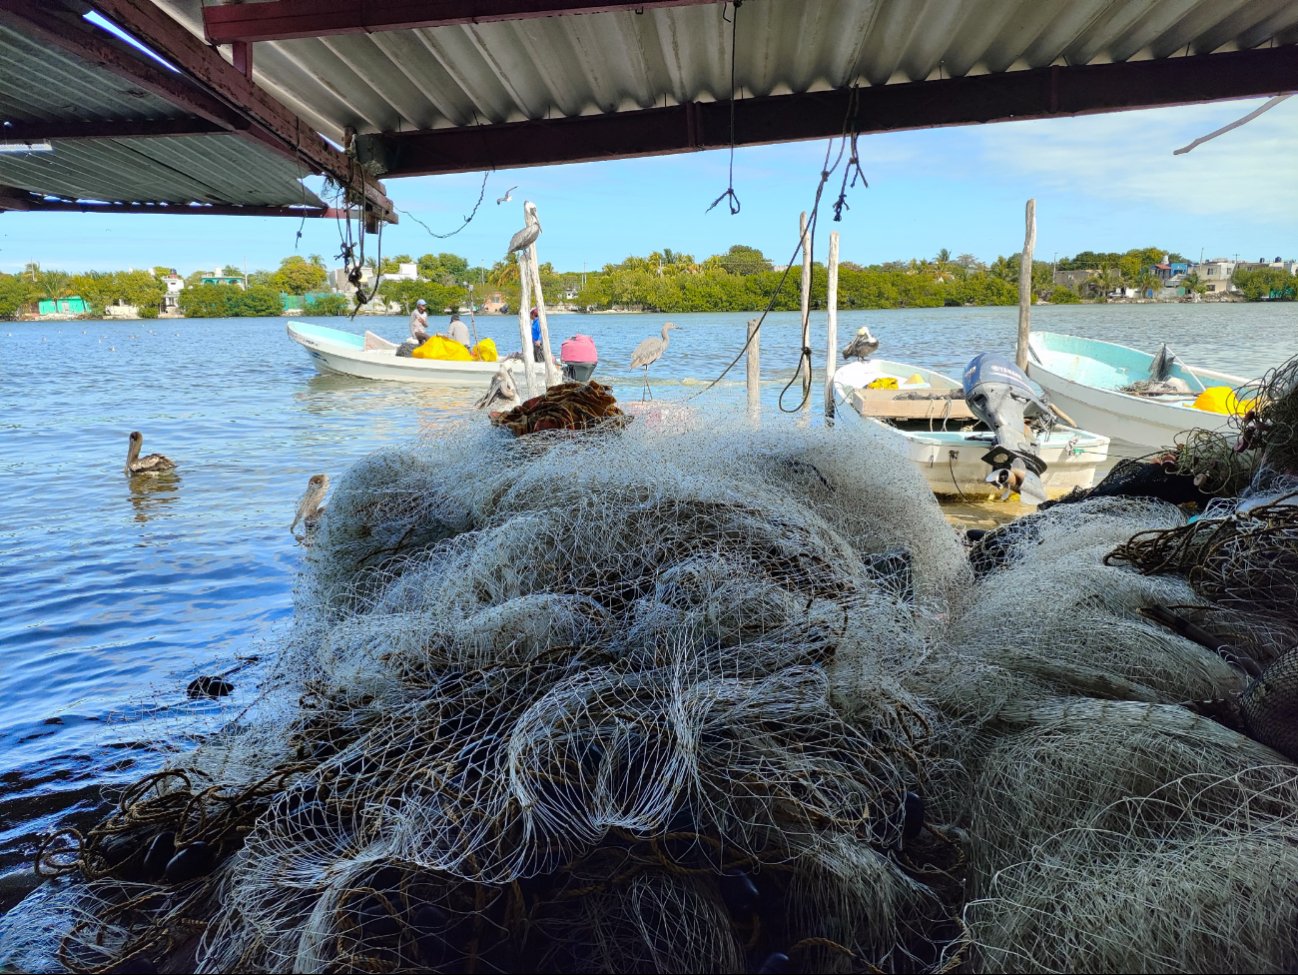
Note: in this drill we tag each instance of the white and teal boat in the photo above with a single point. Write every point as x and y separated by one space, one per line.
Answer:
1137 398
927 421
371 357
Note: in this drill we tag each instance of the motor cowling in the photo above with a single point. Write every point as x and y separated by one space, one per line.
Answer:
579 358
1000 395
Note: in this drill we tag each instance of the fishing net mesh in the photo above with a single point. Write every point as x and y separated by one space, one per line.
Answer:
682 697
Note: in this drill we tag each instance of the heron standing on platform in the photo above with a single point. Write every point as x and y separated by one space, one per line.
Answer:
647 353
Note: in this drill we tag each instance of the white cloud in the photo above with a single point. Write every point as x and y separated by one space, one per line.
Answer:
1126 159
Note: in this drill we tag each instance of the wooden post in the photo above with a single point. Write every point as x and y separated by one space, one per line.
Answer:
831 328
551 374
754 369
1025 286
525 323
803 361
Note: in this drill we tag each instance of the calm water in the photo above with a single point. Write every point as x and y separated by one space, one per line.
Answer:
116 595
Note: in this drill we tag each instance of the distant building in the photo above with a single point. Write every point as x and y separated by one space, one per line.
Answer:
404 272
216 277
495 304
1216 274
62 307
171 300
340 282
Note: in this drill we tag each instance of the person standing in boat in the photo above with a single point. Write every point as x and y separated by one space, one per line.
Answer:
537 354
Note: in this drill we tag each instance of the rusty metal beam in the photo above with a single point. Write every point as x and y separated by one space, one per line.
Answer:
1040 93
71 34
13 199
279 20
263 119
120 129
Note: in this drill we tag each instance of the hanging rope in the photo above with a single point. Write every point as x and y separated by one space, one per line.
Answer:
482 192
729 194
847 138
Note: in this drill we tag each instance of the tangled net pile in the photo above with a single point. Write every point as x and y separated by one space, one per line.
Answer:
719 699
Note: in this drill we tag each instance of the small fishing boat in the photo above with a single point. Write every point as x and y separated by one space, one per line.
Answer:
370 357
928 420
1134 397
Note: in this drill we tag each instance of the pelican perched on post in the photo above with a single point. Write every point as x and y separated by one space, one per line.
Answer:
862 346
647 353
527 236
310 507
502 394
149 464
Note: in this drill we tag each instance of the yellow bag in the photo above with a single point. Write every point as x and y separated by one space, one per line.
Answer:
485 351
440 347
1222 399
883 382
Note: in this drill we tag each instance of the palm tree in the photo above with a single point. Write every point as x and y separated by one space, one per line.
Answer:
1148 283
1193 284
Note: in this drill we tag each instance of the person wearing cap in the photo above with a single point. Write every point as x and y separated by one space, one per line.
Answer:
457 330
537 353
419 322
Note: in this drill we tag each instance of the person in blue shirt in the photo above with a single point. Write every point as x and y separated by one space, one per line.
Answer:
537 353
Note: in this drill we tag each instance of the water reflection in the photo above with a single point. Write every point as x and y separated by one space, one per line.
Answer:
151 494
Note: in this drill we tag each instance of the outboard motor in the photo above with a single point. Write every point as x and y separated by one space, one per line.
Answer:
579 359
998 393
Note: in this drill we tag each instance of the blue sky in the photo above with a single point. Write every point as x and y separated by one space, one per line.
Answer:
1106 182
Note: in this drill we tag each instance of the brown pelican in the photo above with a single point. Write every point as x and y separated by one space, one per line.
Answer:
648 352
527 236
149 464
309 508
503 394
862 346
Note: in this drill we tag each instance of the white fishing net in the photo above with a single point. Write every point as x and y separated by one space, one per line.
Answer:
688 696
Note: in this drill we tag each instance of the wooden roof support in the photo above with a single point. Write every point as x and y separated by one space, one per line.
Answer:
252 112
279 20
1016 95
42 131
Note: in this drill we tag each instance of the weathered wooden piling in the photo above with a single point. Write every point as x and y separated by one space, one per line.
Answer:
1025 285
831 327
754 369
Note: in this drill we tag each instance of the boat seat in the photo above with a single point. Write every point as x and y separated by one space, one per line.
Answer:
887 404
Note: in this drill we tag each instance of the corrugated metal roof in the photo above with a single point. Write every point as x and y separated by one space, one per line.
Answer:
41 84
619 61
175 169
38 83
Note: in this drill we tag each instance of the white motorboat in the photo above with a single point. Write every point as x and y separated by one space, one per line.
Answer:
927 421
1134 397
345 353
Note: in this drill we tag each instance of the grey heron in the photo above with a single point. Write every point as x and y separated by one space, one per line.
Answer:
527 236
502 394
648 352
862 346
149 464
509 195
310 507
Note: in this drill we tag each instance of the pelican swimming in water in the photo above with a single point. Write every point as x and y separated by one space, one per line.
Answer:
149 464
862 346
310 508
503 394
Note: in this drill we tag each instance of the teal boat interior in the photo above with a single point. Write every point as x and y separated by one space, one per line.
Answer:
327 334
1103 365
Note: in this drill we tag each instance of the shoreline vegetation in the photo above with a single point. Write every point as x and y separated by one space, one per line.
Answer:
742 279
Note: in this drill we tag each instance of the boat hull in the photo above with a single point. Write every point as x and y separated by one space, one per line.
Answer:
334 352
1070 371
951 460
